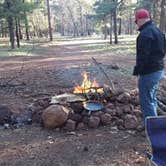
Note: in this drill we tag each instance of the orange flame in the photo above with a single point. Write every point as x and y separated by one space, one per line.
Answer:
86 84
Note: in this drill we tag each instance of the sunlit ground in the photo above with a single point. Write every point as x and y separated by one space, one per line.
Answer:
126 45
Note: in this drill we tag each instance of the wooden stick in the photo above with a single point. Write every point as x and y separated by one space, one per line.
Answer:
101 69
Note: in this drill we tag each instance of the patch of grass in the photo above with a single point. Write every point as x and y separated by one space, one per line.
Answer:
25 49
126 45
122 47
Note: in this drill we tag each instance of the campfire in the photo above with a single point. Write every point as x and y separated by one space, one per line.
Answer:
91 89
89 105
87 85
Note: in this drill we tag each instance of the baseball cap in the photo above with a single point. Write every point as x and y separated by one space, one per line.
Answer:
141 13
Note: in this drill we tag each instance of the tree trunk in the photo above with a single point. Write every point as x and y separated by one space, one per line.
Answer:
147 5
120 26
105 30
130 24
19 29
62 25
154 10
115 26
1 29
17 33
87 25
163 15
49 21
11 31
26 25
8 5
81 18
111 28
26 28
5 30
81 21
75 30
34 29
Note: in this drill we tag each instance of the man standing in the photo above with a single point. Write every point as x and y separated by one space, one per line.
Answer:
150 52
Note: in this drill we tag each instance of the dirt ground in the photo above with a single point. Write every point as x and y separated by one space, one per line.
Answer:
25 78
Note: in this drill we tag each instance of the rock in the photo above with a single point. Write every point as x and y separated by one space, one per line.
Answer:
110 106
119 122
34 108
85 120
77 107
134 101
76 117
70 125
81 126
121 127
85 113
17 109
112 112
6 126
130 121
124 97
107 92
36 113
137 112
141 161
55 116
119 111
126 109
94 122
43 102
134 92
97 113
106 119
115 67
5 114
140 128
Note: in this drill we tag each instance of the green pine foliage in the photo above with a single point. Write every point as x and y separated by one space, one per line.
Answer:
17 8
103 8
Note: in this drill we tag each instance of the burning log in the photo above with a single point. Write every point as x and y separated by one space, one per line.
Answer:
91 90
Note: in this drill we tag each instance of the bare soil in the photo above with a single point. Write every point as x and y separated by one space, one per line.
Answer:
57 70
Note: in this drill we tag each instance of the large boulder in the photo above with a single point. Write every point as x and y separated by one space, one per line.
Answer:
55 116
70 125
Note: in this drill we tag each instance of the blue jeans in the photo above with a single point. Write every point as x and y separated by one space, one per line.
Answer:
147 85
